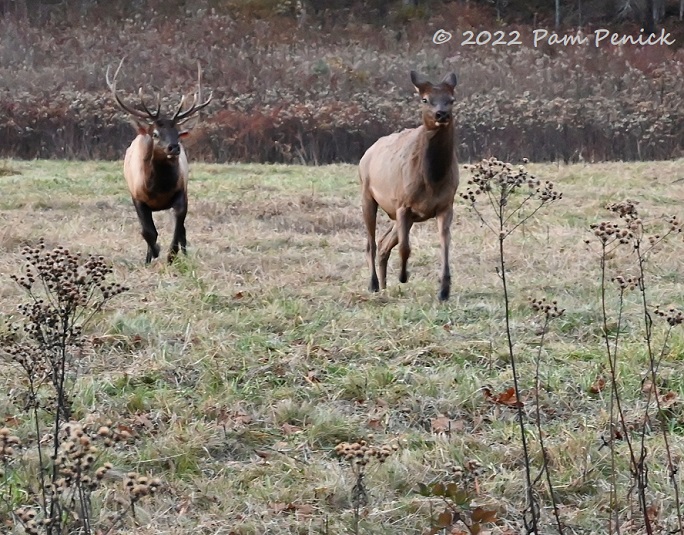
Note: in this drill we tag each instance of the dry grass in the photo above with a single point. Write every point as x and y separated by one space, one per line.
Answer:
242 366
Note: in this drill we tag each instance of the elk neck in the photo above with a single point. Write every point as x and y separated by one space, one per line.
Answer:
164 175
438 153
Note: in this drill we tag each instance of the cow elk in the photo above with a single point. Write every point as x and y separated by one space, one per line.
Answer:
413 176
156 166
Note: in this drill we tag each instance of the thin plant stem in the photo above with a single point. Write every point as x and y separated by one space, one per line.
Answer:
615 395
495 183
533 528
653 366
542 446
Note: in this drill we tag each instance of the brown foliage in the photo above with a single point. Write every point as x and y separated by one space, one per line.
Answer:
289 92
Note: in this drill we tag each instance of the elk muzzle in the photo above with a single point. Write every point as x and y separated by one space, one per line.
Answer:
442 117
173 150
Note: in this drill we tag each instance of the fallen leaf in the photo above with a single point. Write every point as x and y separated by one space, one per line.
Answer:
312 377
232 419
667 400
598 385
304 509
507 397
264 454
375 423
289 429
444 424
122 428
143 421
278 507
647 386
242 418
11 421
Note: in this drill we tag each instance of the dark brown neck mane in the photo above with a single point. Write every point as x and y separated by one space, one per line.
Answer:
164 175
439 153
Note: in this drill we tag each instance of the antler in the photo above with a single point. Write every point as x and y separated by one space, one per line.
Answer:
147 114
181 117
154 115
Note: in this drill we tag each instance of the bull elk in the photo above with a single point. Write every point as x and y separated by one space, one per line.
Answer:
413 176
156 166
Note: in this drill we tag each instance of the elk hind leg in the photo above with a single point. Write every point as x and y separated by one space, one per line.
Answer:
403 225
388 241
370 213
444 228
180 210
149 231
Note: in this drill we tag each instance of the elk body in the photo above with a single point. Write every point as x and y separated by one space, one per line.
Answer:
413 176
156 166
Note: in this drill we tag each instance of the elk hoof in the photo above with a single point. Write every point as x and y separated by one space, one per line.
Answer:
403 277
152 252
444 294
374 285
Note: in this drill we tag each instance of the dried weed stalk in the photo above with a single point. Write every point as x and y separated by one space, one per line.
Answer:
549 311
505 198
48 489
628 234
360 455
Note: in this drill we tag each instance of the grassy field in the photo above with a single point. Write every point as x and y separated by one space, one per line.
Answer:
243 365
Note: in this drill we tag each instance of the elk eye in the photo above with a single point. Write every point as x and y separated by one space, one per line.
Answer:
424 100
155 134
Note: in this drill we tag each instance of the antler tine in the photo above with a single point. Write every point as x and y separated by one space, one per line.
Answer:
154 116
112 87
112 84
180 118
180 107
159 100
194 109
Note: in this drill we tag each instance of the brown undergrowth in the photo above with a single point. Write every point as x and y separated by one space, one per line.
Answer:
290 94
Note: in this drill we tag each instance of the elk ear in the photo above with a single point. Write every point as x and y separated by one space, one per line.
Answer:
450 80
419 82
141 127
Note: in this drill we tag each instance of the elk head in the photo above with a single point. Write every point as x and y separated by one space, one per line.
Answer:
438 100
165 133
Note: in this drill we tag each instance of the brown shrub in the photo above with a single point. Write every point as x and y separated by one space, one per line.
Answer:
284 93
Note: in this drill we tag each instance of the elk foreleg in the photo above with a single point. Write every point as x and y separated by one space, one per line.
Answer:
404 224
387 243
149 231
370 213
180 210
444 228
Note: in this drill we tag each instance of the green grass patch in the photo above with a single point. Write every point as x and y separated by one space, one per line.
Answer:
243 364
